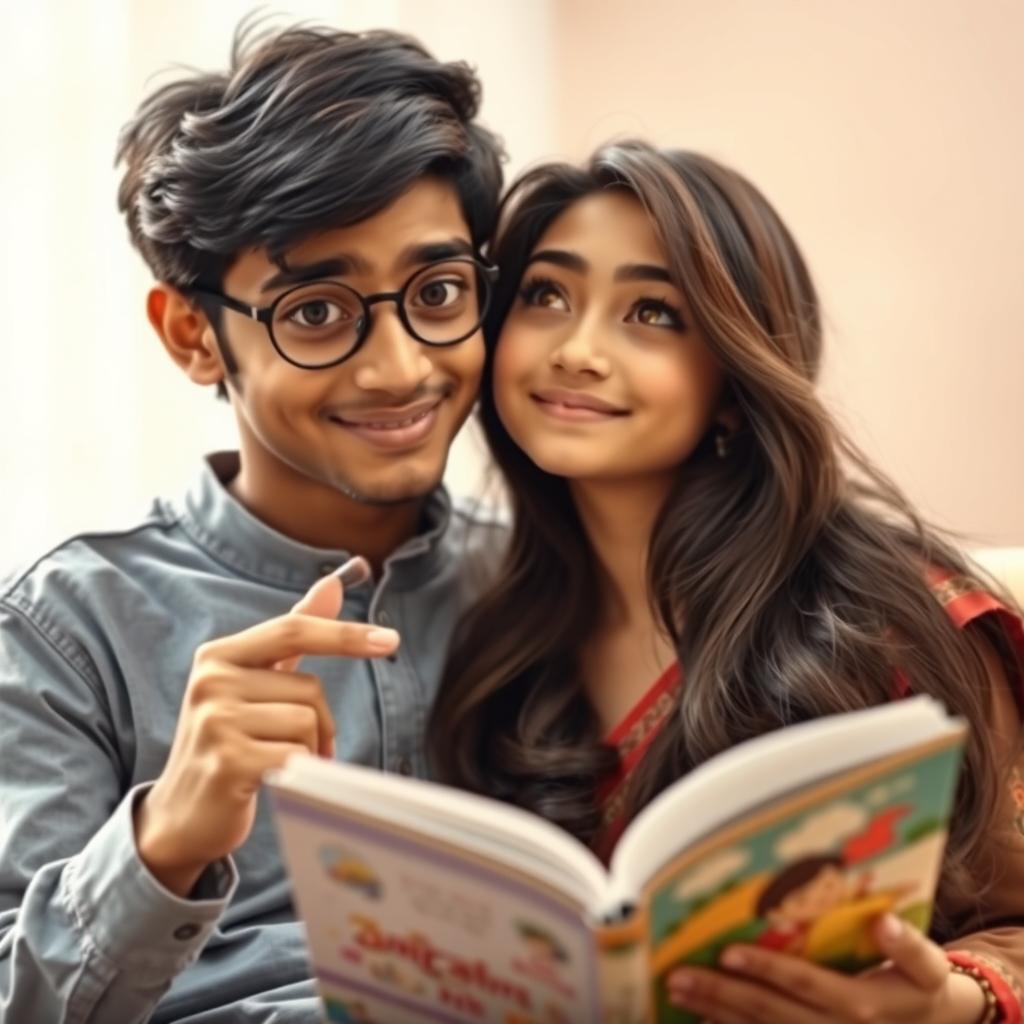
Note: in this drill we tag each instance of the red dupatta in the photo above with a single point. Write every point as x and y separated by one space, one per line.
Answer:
632 736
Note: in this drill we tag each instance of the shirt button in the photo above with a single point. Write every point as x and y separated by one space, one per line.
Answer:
184 932
384 619
404 766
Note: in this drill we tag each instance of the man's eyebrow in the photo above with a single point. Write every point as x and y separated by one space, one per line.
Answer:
642 272
344 264
561 258
434 252
335 266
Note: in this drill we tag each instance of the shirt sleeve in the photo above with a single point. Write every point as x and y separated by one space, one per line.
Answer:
992 939
87 934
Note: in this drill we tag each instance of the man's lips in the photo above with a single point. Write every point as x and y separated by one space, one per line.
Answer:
385 419
575 405
395 428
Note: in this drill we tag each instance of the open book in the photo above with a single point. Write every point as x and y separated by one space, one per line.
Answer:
423 903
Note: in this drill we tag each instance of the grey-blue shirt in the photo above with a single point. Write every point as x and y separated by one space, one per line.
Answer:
96 646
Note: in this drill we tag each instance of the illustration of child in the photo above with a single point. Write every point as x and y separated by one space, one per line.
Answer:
799 895
544 955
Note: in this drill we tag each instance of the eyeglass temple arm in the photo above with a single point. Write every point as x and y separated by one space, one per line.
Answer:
253 312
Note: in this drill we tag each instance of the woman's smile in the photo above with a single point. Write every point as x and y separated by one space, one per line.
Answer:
576 406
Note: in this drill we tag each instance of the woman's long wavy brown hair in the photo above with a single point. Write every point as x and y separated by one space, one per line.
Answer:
790 574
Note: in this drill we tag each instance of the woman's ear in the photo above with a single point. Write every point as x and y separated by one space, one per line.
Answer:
186 334
729 418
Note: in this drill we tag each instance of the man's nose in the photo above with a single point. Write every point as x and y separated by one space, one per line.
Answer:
391 359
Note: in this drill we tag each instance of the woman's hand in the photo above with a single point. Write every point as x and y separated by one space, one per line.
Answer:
763 987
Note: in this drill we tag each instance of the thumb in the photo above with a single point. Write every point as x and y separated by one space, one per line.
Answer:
914 955
324 599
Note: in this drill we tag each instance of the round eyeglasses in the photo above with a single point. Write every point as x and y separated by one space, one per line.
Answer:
324 322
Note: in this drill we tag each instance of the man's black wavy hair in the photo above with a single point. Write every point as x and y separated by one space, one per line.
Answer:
310 128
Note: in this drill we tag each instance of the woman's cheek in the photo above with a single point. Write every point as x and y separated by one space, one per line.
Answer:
511 364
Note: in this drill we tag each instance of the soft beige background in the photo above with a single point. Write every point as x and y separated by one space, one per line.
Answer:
889 134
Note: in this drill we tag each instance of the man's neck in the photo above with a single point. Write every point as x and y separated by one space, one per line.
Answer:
322 517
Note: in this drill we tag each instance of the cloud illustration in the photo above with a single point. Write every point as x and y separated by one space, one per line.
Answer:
712 874
822 832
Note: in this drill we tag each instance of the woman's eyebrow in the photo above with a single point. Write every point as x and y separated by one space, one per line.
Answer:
575 262
561 258
642 272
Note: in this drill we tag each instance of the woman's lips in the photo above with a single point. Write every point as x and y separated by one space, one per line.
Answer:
575 406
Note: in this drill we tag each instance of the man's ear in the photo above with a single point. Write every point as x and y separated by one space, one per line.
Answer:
186 333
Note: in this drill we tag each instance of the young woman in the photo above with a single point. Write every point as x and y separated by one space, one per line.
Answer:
699 557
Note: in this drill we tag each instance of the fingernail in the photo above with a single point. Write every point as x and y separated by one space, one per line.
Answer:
734 959
382 639
682 980
892 927
355 571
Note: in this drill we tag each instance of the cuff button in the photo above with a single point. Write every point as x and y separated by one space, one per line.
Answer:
184 932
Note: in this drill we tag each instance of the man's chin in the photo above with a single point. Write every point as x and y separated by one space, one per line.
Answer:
404 489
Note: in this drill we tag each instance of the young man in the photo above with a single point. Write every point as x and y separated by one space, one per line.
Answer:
313 219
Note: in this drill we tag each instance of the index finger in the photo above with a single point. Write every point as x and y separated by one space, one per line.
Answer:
326 596
296 635
814 985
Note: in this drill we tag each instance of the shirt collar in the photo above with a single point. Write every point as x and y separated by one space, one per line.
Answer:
229 532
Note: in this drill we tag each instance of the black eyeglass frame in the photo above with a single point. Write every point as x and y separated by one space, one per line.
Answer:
265 314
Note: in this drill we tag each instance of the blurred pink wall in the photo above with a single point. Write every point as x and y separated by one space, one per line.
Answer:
891 138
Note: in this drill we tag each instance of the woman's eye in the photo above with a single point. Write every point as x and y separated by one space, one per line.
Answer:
543 294
316 313
439 293
656 313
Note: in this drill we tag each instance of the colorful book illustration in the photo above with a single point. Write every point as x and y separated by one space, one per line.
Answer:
423 903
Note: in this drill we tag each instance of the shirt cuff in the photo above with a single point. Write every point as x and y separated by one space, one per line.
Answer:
131 918
1004 984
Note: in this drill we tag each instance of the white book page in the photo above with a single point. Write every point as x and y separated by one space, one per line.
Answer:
761 770
497 831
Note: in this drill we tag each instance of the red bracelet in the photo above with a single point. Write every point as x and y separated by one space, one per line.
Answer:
991 1014
1002 998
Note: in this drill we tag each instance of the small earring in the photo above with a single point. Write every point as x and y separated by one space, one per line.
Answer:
722 440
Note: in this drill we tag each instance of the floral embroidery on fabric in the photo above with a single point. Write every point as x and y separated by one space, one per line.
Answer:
948 590
639 735
648 724
614 806
1017 792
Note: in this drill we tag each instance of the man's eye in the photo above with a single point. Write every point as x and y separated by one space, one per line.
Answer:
316 313
440 293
